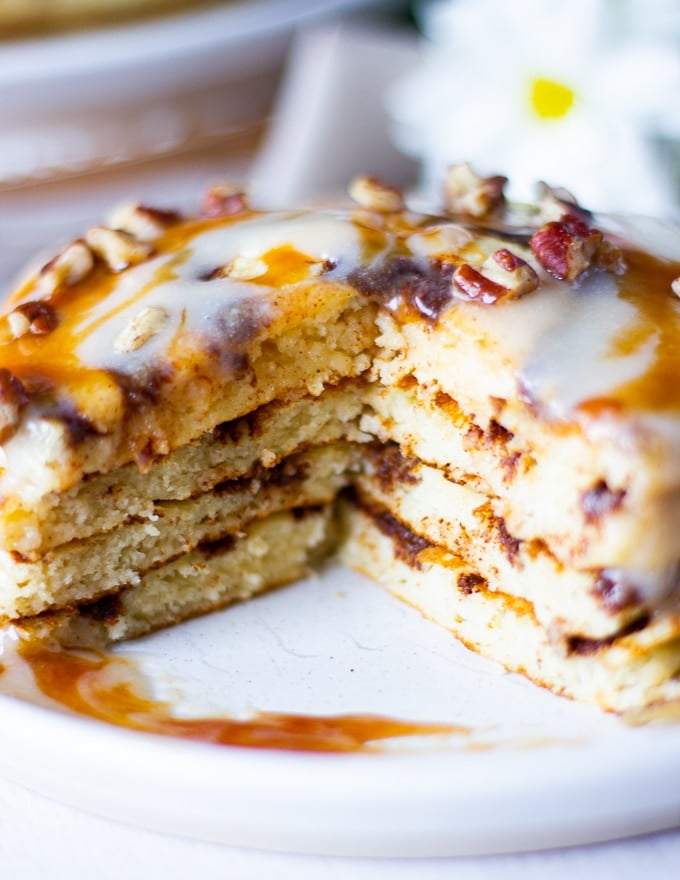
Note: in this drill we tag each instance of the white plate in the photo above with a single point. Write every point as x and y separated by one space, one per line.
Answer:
101 96
536 771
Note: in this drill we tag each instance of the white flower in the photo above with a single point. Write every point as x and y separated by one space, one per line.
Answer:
573 92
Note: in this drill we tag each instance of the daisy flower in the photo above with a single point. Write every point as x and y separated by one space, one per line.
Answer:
580 93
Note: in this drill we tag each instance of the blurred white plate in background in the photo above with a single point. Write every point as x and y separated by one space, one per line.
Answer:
96 97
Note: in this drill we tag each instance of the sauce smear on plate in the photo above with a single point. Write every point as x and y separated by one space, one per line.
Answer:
111 689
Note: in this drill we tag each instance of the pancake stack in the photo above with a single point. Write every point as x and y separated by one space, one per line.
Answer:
478 408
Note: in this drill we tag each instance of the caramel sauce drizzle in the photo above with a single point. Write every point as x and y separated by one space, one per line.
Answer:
162 275
51 360
110 689
285 265
646 285
48 364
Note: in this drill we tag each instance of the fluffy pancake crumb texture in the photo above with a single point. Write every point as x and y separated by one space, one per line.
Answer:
493 397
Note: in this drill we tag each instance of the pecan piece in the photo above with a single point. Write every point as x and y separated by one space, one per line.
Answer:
566 247
512 271
13 398
466 192
224 200
503 275
476 287
610 258
241 269
554 202
142 222
375 195
69 267
116 248
143 326
38 318
246 268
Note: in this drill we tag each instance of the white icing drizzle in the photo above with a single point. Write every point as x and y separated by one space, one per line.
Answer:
572 361
558 342
193 301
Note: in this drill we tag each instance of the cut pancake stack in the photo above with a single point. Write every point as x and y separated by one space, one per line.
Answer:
168 447
196 410
219 519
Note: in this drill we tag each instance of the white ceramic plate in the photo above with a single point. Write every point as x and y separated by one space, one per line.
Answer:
81 100
536 771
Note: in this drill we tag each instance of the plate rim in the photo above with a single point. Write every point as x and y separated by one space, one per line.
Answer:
335 804
26 60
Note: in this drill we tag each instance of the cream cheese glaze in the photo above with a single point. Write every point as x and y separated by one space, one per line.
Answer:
608 339
213 303
569 345
180 281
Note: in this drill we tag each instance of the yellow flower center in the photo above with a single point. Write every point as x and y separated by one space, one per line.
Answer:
549 99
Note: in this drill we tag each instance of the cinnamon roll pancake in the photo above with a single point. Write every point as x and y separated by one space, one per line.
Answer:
479 408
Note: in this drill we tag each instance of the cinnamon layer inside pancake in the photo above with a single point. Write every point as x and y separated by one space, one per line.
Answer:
268 553
637 666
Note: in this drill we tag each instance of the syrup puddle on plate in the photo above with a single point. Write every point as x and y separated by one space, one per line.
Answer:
114 690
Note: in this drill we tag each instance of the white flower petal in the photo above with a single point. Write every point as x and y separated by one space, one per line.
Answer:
471 97
643 80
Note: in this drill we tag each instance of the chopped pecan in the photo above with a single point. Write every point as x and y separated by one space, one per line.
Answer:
477 287
143 326
244 268
371 193
503 275
142 222
554 202
512 271
69 267
13 398
116 248
567 247
440 240
223 200
507 260
38 318
610 258
466 192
